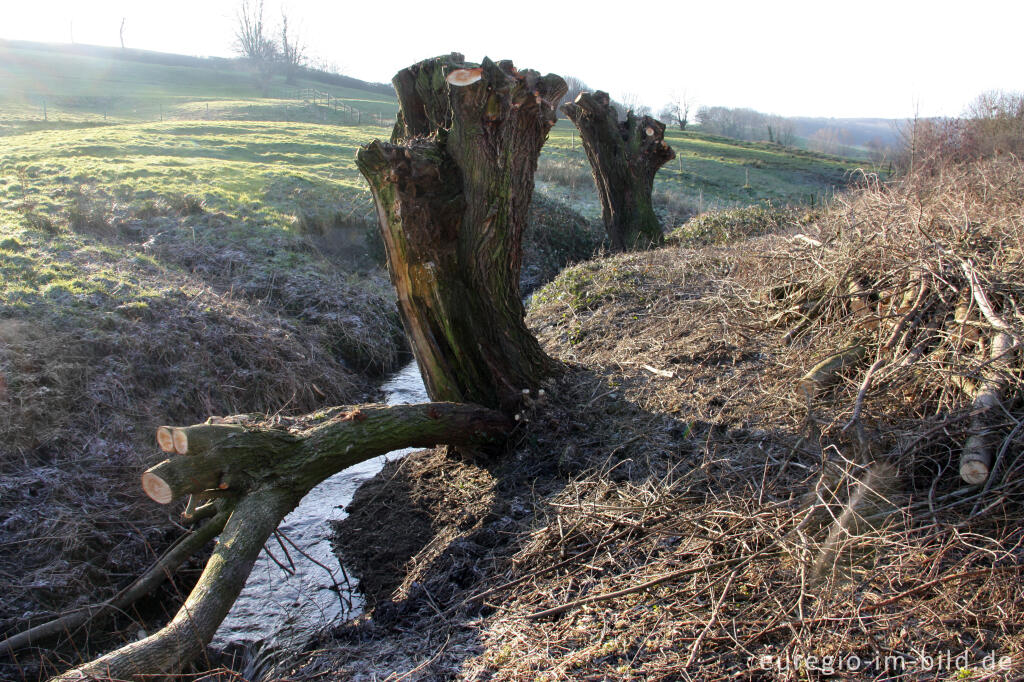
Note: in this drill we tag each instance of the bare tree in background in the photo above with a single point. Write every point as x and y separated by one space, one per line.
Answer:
123 19
996 124
781 131
878 151
993 125
576 86
631 102
829 140
677 111
292 51
252 40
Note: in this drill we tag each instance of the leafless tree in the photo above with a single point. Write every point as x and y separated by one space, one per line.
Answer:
576 86
781 131
630 101
292 52
741 124
995 124
878 151
123 19
677 111
830 140
252 40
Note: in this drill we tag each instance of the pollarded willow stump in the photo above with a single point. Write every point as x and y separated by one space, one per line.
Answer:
452 190
624 157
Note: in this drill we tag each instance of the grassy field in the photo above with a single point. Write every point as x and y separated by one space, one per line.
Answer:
709 173
275 172
45 87
91 90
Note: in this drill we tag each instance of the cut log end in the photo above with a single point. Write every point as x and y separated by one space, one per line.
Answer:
156 488
463 77
180 440
974 472
164 438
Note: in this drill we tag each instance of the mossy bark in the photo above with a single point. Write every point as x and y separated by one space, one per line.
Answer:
624 157
452 189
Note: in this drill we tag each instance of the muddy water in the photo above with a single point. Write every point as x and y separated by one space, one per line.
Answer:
287 601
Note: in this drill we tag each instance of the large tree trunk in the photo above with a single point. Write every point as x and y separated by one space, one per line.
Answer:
624 157
452 190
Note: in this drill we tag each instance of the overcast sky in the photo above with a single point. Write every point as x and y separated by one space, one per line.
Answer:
820 58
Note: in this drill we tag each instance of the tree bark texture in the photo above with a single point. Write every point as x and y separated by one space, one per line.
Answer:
624 157
452 189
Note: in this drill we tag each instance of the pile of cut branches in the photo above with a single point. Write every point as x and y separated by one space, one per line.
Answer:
909 297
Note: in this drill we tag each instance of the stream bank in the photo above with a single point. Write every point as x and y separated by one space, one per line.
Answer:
303 589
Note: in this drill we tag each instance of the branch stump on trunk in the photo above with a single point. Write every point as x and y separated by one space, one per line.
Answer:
624 157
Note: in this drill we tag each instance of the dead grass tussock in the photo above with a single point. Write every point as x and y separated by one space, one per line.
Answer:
697 510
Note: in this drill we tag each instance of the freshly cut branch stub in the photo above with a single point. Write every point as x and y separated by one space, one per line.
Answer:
180 439
465 76
828 371
976 457
157 489
191 440
164 438
267 471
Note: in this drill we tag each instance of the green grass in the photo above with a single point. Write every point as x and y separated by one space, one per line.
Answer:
93 220
258 169
709 173
46 88
271 173
79 90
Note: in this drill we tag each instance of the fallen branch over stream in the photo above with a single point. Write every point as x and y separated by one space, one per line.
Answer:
252 474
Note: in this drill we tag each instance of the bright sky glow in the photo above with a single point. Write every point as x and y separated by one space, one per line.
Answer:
794 58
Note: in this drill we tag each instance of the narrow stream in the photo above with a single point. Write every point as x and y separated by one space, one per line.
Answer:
285 606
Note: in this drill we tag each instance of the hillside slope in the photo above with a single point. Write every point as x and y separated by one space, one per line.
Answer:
688 500
46 86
